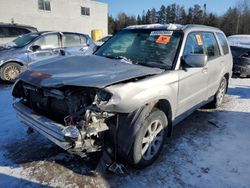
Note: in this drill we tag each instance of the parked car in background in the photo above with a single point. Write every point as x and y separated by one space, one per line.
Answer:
239 40
41 45
9 32
241 61
126 98
240 47
103 40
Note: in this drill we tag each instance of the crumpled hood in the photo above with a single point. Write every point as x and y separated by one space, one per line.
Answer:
88 71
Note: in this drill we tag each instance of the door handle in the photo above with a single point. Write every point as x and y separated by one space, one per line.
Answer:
204 70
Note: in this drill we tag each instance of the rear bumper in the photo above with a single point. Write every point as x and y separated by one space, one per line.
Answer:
50 129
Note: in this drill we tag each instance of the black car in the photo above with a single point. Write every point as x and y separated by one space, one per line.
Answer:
241 61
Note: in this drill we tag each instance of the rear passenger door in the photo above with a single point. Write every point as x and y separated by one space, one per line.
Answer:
74 44
215 62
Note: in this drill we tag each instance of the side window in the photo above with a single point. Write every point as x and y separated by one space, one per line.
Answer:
44 5
23 31
194 44
223 43
4 32
83 40
71 40
48 42
211 45
85 11
13 32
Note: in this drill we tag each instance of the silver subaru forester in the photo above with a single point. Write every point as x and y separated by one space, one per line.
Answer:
125 98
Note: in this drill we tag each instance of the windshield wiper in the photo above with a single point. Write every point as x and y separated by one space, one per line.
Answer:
119 58
154 65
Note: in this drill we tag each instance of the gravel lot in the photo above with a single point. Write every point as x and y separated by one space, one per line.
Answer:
209 149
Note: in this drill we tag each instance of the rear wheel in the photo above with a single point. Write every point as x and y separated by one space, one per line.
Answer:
10 71
219 96
149 140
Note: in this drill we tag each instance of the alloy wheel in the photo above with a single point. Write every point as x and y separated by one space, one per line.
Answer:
152 140
11 72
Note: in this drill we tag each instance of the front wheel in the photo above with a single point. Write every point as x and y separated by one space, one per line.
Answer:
10 71
149 140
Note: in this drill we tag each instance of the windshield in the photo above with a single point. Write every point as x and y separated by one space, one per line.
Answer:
25 39
155 48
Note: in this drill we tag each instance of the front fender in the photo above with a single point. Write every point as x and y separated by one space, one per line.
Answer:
127 97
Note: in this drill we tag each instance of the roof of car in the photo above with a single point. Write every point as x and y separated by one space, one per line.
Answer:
173 27
63 32
16 25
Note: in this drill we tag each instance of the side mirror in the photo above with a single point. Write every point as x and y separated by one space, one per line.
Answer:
195 60
35 48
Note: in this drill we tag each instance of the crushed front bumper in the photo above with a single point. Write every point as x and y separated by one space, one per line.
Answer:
50 129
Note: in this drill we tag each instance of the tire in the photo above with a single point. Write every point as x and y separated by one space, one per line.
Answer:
219 96
149 140
10 71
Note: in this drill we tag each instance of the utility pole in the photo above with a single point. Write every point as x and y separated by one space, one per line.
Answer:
237 25
204 13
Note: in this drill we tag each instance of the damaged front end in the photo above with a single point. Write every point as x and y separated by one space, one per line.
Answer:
68 116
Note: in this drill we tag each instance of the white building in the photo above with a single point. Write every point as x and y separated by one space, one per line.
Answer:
57 15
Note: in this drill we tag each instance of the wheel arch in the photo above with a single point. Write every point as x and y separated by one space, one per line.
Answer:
165 106
129 124
227 76
12 61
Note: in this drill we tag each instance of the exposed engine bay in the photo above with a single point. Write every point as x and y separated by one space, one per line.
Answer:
73 107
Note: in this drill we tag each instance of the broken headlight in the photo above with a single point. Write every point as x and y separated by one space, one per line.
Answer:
71 132
103 96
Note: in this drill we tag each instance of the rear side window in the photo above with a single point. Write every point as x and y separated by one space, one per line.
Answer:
15 31
4 32
194 44
71 40
12 31
210 45
223 43
83 40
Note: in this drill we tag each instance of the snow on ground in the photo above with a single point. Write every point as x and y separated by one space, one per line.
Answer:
211 148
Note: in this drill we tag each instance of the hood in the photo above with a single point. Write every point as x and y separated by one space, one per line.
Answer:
88 71
8 51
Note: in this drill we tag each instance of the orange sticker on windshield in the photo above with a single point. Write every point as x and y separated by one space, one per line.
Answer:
163 39
199 40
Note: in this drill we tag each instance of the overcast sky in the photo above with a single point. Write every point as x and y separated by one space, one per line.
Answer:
133 7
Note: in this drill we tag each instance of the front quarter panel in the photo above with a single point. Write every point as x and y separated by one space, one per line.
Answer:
127 97
19 56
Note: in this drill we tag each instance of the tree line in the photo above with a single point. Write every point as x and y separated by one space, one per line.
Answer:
236 20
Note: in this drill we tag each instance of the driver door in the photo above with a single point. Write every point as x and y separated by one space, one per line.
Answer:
192 80
47 46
